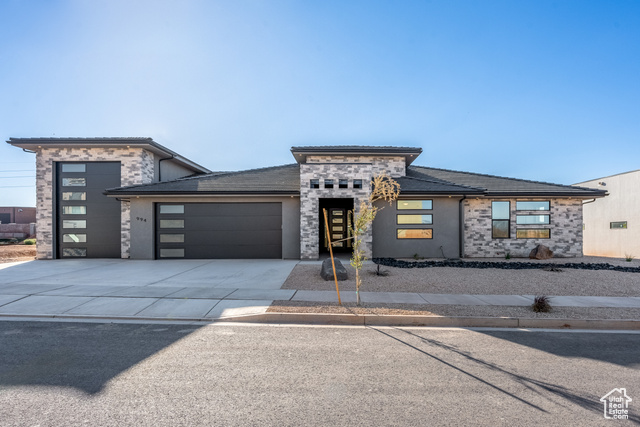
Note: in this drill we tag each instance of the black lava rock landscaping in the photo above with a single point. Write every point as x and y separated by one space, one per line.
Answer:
511 265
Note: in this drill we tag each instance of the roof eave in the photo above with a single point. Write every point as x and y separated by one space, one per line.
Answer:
199 193
439 193
409 153
148 144
564 194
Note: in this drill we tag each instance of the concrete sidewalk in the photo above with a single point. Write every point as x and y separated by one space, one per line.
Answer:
179 302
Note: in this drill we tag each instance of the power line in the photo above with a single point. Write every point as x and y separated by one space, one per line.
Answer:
18 170
16 186
10 177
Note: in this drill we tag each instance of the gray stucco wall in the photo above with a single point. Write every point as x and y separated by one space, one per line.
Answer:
445 231
167 170
142 222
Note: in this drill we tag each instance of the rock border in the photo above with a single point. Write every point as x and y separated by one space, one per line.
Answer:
510 265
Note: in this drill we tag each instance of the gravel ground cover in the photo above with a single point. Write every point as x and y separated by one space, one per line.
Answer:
487 281
455 310
451 280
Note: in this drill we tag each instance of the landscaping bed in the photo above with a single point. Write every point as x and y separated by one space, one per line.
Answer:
454 310
483 281
14 253
530 277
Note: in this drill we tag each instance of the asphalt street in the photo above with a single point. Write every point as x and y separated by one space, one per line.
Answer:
107 374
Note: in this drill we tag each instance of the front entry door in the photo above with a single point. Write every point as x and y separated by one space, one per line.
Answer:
339 223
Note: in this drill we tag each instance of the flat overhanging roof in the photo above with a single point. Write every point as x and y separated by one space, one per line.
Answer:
146 143
409 153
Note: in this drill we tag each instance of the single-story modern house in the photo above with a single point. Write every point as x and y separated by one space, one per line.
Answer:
612 224
134 198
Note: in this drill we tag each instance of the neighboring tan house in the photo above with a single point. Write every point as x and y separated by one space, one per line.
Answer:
612 224
133 198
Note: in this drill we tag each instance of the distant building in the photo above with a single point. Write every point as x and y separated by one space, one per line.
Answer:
17 215
612 224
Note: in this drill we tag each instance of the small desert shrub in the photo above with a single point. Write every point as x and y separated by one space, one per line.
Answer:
507 255
628 257
30 242
379 272
416 256
541 304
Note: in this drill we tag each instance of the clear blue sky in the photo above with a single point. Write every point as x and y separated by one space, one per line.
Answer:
542 90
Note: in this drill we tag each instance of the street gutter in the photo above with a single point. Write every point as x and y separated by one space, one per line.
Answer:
369 320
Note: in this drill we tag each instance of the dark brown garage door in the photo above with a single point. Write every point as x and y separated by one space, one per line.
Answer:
218 230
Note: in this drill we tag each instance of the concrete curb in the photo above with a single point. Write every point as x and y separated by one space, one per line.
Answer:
437 321
371 320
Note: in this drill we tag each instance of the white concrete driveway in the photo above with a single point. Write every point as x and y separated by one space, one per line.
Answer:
236 274
175 289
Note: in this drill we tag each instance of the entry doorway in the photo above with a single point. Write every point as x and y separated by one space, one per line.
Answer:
340 218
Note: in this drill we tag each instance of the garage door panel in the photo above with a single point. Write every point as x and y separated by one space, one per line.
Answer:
232 209
224 230
231 238
235 223
231 252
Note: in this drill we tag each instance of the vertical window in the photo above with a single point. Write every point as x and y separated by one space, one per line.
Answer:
314 183
500 224
172 223
71 195
172 253
414 219
414 204
357 183
74 238
80 223
74 210
172 238
343 183
171 209
74 252
414 233
532 205
74 182
532 219
533 233
73 167
328 183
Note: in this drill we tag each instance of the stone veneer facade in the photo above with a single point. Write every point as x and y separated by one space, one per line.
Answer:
136 166
565 225
394 166
336 168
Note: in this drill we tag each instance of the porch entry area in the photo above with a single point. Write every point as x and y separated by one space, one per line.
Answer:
340 218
